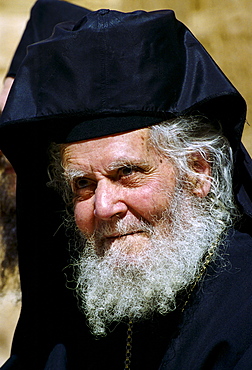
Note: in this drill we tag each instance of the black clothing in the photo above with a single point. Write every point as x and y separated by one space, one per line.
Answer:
214 331
114 72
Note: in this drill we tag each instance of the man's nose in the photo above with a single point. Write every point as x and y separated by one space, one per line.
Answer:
109 201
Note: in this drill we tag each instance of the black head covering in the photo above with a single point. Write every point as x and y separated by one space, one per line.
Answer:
109 73
111 64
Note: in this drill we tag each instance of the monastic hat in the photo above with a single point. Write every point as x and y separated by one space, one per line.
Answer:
118 72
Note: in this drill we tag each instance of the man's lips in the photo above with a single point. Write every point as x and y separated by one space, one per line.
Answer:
116 235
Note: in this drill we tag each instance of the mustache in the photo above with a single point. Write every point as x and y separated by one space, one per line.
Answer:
121 227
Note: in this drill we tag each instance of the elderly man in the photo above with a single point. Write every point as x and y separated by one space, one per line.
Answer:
128 117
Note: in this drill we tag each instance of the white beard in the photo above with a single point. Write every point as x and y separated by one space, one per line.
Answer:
123 282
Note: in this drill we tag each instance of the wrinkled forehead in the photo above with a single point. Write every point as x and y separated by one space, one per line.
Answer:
126 148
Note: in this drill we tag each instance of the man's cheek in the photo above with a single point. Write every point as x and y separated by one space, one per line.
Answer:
84 218
151 201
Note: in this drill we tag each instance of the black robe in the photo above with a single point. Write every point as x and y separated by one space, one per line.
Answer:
213 332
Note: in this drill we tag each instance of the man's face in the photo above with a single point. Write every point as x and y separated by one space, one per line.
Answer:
145 229
118 177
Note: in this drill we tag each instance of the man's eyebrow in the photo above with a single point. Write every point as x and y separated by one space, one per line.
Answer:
72 173
123 162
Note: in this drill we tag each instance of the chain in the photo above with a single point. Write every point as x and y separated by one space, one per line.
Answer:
128 345
208 259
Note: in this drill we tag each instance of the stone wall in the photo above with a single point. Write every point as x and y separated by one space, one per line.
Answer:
224 28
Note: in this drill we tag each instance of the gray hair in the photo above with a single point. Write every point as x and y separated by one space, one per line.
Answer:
181 138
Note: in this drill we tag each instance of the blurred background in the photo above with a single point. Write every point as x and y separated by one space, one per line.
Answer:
223 27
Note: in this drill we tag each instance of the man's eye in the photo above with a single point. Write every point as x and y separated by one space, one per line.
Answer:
81 183
127 171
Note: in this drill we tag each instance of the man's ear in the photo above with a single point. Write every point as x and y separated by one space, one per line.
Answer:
201 183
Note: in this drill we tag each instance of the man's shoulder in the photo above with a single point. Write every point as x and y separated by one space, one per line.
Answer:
217 323
238 249
232 267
